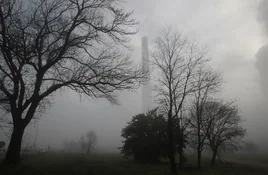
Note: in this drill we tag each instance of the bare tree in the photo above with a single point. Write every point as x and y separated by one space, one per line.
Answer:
176 61
207 84
181 134
91 140
251 147
222 126
48 45
72 146
82 143
2 145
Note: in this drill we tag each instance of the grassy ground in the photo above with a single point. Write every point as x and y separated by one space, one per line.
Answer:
102 164
253 157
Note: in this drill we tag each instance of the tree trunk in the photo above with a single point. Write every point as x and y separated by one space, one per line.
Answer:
181 164
13 151
199 157
199 151
171 151
212 164
88 148
220 159
172 161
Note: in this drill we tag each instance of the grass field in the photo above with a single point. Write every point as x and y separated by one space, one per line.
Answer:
102 164
257 158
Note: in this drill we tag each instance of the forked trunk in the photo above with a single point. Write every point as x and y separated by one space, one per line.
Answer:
172 161
181 163
213 159
181 156
220 159
171 151
199 158
199 151
14 147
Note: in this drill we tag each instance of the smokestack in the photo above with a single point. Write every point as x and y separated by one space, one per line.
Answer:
262 54
146 88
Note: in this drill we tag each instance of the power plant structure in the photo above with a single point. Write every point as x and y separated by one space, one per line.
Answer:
146 88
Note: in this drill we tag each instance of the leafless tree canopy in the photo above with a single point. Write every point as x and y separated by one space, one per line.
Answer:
47 45
91 140
177 62
222 125
65 43
207 83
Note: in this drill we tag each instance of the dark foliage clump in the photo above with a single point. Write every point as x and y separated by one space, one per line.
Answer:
145 138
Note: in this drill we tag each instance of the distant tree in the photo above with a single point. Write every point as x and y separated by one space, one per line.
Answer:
66 145
82 143
49 148
85 144
48 45
251 147
71 146
2 122
91 140
2 145
207 84
222 126
145 137
176 61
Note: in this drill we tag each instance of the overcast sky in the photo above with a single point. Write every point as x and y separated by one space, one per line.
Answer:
232 30
235 33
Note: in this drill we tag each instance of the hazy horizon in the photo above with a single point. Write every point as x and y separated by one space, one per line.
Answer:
235 32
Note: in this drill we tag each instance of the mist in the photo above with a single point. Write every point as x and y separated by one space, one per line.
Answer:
235 33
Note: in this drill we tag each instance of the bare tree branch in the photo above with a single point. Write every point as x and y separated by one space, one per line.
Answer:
221 123
48 45
177 61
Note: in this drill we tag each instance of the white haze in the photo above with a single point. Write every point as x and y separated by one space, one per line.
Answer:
235 33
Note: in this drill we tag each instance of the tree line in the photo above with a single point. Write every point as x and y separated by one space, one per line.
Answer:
190 113
145 136
85 144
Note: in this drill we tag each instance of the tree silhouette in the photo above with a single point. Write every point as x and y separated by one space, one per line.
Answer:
207 84
49 45
176 61
222 126
91 140
145 137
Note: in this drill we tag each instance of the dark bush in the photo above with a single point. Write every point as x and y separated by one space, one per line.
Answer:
145 138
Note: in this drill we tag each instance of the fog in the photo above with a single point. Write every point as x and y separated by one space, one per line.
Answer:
235 33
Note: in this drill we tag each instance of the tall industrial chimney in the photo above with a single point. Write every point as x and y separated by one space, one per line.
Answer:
146 88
